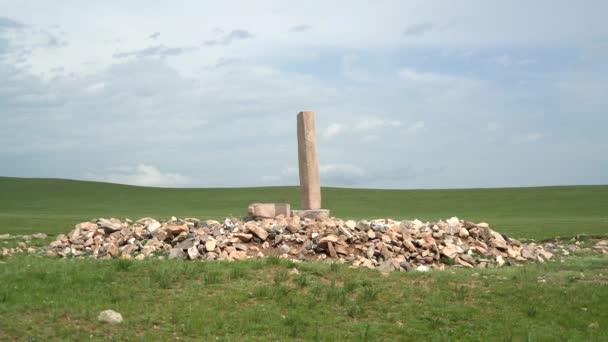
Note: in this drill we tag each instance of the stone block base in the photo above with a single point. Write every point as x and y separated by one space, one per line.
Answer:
320 214
269 210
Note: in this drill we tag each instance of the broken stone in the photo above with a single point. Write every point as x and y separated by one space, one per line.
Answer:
176 229
350 224
210 245
257 231
332 251
177 253
193 253
453 226
110 225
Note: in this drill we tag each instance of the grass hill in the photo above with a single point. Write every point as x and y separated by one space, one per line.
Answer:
54 205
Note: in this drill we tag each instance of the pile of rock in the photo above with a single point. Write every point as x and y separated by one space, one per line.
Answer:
385 244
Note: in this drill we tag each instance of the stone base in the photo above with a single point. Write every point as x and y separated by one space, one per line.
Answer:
320 214
269 210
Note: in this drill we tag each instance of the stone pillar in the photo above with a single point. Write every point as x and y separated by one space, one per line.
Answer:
310 183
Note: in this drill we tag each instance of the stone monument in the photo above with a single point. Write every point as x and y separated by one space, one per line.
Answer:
310 183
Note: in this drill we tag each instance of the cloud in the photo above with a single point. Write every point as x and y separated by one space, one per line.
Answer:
153 51
4 45
300 28
506 60
376 123
418 29
223 61
141 174
235 103
352 71
359 126
332 174
409 74
416 127
227 39
528 138
7 23
333 130
154 35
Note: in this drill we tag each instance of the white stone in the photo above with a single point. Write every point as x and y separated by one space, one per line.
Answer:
110 316
423 268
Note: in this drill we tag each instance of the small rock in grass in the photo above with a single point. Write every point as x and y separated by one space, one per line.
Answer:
284 249
423 268
110 316
177 253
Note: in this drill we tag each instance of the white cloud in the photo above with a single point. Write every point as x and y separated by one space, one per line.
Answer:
358 126
375 123
416 127
413 75
332 174
333 130
141 174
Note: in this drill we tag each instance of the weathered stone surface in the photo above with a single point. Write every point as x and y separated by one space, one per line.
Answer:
453 226
39 236
310 183
193 253
284 249
110 316
293 224
269 210
332 250
177 253
314 214
110 225
450 250
350 224
149 224
210 245
257 231
423 268
243 237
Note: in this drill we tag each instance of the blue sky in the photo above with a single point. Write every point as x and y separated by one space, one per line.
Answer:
408 94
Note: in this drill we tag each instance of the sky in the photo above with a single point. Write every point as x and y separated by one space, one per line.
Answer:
407 94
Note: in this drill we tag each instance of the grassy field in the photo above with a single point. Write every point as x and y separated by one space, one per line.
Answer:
53 299
45 299
54 206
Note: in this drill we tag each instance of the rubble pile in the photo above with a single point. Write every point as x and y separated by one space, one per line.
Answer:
385 244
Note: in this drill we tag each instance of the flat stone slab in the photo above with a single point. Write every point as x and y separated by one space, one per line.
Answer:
269 210
321 214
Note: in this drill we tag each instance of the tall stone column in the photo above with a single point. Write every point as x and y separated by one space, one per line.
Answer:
310 182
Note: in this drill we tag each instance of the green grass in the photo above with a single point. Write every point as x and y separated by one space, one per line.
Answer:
56 299
59 299
53 206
